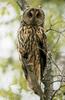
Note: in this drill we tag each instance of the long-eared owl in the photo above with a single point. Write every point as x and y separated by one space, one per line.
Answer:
32 42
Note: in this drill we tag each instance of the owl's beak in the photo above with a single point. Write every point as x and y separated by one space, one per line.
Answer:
33 21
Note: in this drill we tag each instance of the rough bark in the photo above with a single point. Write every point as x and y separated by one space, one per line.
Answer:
48 79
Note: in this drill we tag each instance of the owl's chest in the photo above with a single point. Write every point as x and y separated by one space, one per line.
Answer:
31 37
31 40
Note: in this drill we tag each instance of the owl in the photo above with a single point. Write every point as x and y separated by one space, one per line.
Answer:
32 43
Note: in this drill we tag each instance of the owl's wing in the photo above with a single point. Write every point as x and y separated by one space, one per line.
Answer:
22 48
22 37
43 54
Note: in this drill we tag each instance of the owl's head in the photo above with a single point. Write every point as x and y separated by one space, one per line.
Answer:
33 16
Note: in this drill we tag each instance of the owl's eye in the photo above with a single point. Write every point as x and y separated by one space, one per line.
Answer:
30 14
38 15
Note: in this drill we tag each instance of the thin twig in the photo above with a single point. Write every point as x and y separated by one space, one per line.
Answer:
57 91
56 65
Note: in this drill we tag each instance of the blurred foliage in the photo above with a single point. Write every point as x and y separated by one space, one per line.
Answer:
9 95
36 3
60 95
54 19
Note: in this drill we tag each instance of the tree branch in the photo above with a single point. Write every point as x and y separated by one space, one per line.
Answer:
47 78
56 65
22 4
55 92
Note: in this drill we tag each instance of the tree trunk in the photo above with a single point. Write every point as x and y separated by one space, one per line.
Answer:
48 79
